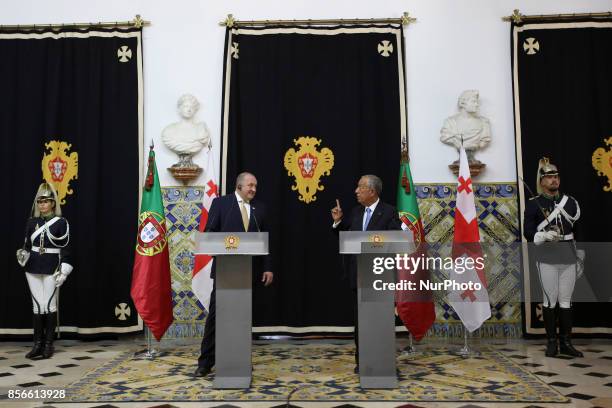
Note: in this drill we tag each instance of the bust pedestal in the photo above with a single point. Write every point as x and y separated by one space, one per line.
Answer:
185 174
476 167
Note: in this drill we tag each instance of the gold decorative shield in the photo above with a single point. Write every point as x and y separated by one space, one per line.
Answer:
151 239
602 162
59 168
412 222
308 165
232 242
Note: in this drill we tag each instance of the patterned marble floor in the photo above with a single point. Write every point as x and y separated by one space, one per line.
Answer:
587 381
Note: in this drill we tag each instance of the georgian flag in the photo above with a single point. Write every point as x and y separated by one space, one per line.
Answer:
472 306
201 282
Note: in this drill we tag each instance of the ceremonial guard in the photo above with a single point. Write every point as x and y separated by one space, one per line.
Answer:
549 223
45 258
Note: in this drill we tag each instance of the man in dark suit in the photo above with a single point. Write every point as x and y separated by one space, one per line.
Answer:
235 212
370 215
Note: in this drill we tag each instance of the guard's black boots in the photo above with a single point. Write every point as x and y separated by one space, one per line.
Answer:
37 348
50 322
550 325
565 332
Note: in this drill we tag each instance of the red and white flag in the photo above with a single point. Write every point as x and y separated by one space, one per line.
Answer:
201 282
472 304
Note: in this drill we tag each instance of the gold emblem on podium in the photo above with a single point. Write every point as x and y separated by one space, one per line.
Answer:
232 242
377 240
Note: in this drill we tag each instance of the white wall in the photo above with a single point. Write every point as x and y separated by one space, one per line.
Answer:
454 45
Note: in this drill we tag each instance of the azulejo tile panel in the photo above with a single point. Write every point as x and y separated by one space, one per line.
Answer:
183 210
498 220
497 209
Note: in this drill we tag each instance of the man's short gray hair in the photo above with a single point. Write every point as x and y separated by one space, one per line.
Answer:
374 182
241 177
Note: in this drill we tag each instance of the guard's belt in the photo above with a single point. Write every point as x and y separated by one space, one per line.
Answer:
47 250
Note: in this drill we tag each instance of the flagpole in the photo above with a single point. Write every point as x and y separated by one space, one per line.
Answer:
410 350
466 351
149 353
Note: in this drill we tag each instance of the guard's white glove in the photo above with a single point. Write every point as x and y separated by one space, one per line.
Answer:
545 236
62 274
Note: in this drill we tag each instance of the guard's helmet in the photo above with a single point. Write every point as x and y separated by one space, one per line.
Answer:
545 168
46 192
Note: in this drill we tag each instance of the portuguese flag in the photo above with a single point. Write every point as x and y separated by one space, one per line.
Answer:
151 290
415 308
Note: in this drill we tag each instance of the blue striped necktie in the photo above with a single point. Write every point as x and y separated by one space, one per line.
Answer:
367 218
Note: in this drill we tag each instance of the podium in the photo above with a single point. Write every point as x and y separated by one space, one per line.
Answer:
377 368
233 253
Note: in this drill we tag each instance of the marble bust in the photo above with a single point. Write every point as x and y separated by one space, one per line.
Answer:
467 126
186 137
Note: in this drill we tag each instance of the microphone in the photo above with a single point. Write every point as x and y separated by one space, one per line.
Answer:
255 218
